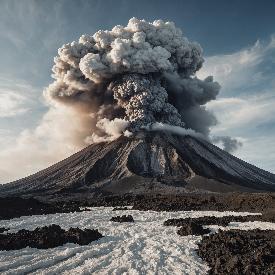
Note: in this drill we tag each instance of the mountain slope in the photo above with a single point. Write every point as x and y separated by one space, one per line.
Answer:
151 162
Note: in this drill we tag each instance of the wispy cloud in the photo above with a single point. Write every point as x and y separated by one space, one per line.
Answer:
16 98
245 107
35 149
12 104
43 140
249 111
242 70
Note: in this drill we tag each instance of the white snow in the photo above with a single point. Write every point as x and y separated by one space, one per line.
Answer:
142 247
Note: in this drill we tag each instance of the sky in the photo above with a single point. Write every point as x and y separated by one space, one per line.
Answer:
238 38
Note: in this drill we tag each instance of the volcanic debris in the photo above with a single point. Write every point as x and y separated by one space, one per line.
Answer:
239 252
123 218
47 237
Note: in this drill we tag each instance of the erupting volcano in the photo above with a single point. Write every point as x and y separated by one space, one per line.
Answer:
142 114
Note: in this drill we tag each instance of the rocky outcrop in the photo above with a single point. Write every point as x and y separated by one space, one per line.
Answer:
120 208
192 228
47 237
3 229
239 252
13 207
123 218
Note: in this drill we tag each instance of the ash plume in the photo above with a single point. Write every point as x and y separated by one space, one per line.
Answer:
228 144
124 80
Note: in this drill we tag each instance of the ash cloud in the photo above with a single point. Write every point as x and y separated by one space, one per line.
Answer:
228 144
124 80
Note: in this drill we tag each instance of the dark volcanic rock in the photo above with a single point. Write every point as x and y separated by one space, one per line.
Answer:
47 237
268 216
123 218
239 252
14 207
258 202
120 208
209 220
251 202
192 228
3 229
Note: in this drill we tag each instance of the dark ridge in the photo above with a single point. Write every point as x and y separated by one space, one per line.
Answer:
192 228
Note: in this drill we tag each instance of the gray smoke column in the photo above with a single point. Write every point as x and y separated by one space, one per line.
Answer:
126 79
229 144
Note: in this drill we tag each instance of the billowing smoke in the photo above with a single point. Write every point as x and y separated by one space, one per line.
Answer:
124 80
227 143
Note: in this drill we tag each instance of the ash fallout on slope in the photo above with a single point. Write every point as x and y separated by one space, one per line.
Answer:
132 78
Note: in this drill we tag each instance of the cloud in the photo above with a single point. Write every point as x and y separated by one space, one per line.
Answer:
25 151
227 143
55 138
245 105
241 70
11 104
246 111
15 97
142 73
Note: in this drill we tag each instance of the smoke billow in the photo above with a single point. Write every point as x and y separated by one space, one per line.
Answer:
126 79
229 144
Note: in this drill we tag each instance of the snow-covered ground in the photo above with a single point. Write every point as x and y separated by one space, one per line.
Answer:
142 247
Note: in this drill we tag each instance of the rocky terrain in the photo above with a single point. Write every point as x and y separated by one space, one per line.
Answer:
47 237
264 203
223 221
239 252
192 228
123 218
120 208
13 207
3 229
251 202
233 251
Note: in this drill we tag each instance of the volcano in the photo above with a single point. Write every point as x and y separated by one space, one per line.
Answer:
149 162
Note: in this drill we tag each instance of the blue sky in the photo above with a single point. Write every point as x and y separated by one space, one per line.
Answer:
239 47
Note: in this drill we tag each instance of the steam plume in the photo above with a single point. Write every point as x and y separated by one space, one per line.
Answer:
229 144
126 79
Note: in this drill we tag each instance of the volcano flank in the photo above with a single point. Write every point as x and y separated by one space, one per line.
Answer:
149 162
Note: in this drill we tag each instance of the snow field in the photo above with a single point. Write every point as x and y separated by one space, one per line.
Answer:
142 247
